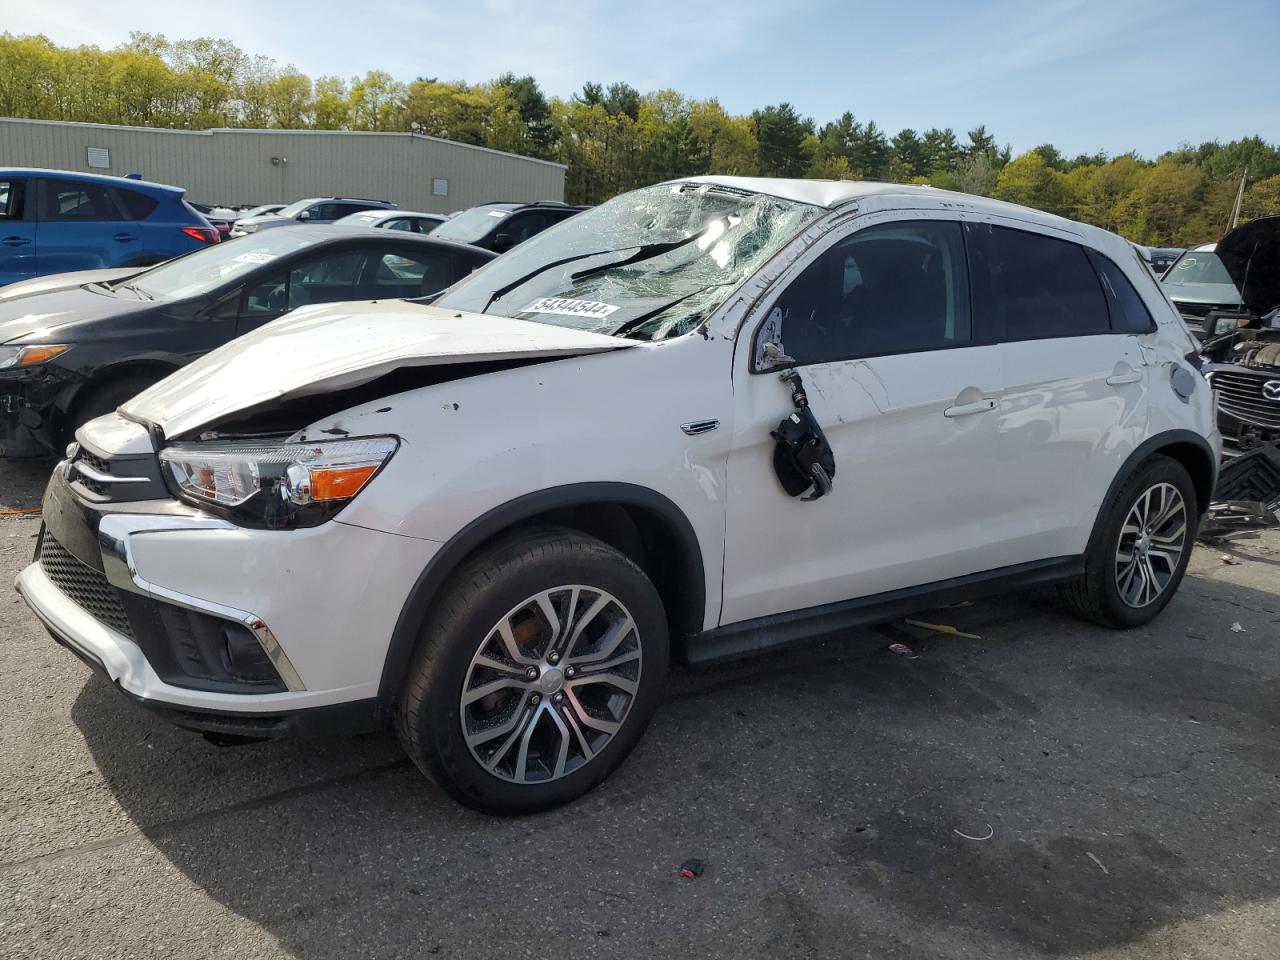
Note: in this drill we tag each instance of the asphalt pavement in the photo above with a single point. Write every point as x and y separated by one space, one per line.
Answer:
1051 789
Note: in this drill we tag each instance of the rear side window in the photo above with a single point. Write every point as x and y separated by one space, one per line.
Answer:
893 288
12 195
68 200
137 206
1128 313
410 274
1034 287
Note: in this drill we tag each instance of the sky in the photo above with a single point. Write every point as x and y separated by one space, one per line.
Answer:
1085 75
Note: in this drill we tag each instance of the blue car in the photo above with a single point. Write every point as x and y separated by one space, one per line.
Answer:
56 221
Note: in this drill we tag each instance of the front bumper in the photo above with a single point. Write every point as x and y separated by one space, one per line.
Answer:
323 601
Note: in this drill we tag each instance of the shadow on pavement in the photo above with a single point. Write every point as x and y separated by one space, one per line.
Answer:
1127 781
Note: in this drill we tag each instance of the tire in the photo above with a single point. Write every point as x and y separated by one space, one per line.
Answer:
472 714
105 397
1118 589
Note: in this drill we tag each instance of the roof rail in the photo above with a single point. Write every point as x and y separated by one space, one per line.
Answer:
362 199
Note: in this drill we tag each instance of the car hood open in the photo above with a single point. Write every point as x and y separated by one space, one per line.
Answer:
322 349
1251 254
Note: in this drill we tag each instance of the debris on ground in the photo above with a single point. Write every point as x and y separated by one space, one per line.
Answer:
990 833
1236 628
1247 496
691 869
945 628
902 650
1101 866
1231 561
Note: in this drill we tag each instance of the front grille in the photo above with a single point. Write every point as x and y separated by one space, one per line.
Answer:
98 463
87 587
1240 394
1195 309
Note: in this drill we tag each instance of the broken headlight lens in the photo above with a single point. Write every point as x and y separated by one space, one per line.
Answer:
277 486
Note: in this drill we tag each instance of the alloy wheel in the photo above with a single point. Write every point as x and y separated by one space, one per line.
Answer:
1152 540
551 684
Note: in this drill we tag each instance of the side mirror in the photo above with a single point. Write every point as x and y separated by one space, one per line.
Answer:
503 242
305 215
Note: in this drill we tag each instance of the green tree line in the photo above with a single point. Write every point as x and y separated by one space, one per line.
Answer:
614 138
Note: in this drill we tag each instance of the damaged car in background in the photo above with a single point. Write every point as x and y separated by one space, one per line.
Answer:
1241 352
77 345
703 419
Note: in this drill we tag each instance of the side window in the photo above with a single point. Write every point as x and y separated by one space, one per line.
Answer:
345 209
524 226
893 288
323 280
401 224
267 296
410 274
137 206
1128 313
1034 287
12 196
68 200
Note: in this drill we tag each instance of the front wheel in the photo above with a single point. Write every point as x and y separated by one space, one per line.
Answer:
535 674
1141 551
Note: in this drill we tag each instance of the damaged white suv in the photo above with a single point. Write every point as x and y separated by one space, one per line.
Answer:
706 418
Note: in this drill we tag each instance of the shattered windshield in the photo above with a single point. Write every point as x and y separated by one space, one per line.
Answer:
650 264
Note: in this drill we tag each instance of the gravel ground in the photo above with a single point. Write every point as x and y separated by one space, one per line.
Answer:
1128 784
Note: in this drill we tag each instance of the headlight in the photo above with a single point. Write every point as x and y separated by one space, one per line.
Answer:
30 356
278 486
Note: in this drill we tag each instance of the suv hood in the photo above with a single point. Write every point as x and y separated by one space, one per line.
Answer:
1251 254
332 347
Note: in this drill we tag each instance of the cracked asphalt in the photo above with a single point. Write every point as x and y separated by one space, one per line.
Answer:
1127 785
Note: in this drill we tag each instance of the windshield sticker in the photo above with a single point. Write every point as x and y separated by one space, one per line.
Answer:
254 258
570 308
498 213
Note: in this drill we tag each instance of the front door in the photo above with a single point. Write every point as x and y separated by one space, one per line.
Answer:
907 390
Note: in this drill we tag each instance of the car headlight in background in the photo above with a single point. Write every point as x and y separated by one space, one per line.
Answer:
30 356
276 485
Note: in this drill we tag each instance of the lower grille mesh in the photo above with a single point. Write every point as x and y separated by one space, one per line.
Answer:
85 586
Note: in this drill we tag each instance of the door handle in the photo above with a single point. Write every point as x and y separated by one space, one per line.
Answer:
985 405
124 237
15 241
1119 379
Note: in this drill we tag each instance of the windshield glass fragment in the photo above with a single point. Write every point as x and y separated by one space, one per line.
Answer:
650 264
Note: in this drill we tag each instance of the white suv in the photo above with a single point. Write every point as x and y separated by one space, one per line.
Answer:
703 419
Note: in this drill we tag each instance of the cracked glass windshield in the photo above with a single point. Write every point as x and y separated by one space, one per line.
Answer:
649 264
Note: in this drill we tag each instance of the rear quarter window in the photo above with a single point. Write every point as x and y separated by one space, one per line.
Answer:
1128 313
137 206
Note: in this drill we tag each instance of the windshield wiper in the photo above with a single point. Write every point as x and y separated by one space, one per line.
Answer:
134 288
649 251
636 322
521 281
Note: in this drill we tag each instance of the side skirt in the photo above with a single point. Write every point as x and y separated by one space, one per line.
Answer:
778 630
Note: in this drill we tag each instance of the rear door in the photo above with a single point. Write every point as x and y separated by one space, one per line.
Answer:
1076 382
324 278
17 230
82 227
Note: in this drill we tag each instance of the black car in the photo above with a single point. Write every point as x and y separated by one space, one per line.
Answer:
78 345
500 226
1242 346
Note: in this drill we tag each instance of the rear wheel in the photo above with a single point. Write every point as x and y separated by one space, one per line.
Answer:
1142 548
535 674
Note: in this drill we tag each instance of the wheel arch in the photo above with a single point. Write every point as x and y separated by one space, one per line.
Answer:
72 400
638 521
1187 448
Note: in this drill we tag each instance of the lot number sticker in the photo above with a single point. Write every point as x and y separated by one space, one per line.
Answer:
570 308
255 258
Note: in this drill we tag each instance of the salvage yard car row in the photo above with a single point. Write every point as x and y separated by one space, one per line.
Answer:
578 462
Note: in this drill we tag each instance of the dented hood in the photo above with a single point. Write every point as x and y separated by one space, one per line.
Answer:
326 348
1251 254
